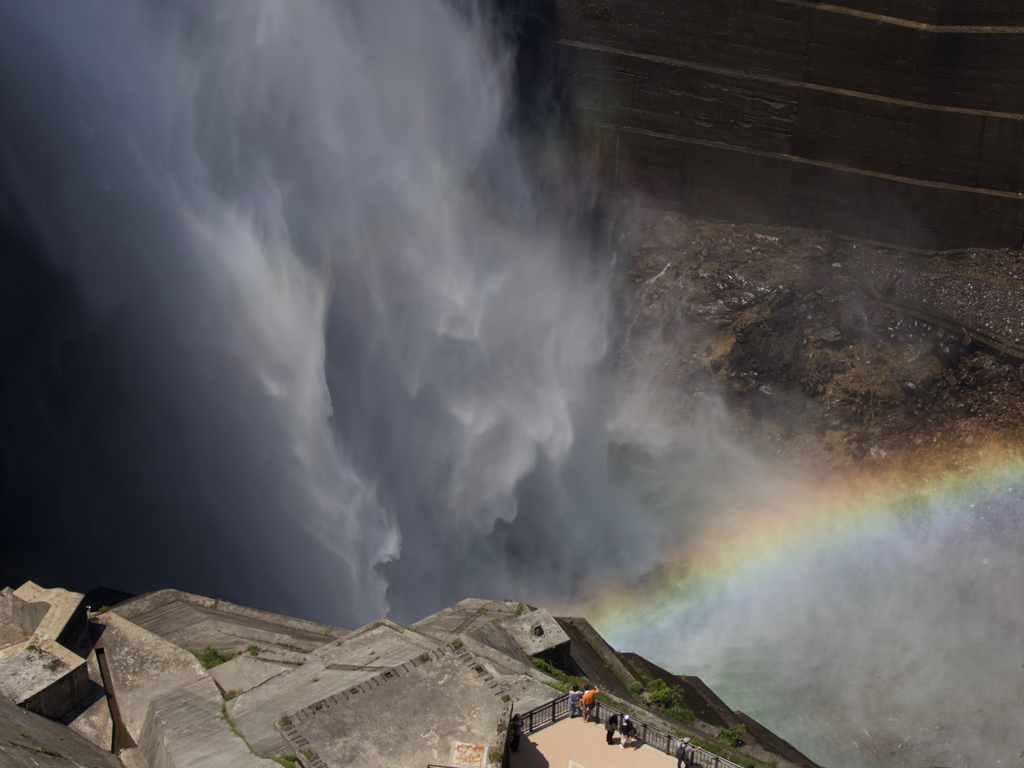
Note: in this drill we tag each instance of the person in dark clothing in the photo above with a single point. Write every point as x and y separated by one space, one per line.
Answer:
610 728
517 733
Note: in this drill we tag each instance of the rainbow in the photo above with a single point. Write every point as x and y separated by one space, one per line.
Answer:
739 547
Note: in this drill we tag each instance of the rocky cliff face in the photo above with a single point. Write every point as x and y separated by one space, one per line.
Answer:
899 122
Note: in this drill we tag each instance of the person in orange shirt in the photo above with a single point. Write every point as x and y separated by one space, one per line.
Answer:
588 702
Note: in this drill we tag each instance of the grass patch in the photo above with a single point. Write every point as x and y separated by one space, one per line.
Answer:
505 698
51 752
732 737
229 695
234 728
423 658
289 646
288 761
210 657
496 754
481 609
564 680
253 650
306 753
54 664
680 714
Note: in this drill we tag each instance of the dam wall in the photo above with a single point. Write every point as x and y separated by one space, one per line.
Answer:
899 121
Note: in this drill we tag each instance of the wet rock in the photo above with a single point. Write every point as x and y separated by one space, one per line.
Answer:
830 335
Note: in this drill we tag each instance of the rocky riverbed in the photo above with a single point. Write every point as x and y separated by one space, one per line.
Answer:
778 324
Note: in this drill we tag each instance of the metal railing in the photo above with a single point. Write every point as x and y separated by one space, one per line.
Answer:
663 741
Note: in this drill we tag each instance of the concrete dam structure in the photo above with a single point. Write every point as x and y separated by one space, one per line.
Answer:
898 121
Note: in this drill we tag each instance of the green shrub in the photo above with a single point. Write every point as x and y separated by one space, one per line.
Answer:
496 754
229 695
423 658
284 721
252 650
659 693
288 761
456 643
519 608
732 736
636 688
210 657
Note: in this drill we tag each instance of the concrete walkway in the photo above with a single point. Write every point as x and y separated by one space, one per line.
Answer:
573 744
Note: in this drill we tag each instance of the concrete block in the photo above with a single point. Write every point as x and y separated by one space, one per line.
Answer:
339 669
441 703
142 667
92 719
19 751
243 673
184 728
536 632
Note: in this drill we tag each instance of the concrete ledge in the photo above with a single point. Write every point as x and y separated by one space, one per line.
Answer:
145 603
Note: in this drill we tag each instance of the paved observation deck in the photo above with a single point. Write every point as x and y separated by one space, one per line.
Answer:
575 744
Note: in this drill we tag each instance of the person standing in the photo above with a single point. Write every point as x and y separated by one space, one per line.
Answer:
574 701
610 727
588 703
517 732
686 753
626 731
